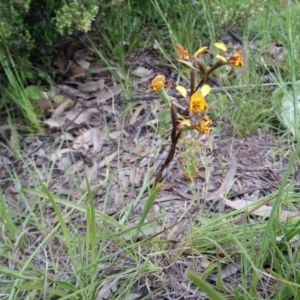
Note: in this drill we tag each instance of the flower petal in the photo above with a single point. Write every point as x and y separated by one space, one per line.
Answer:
197 102
182 90
203 125
183 53
200 51
221 46
236 59
220 57
158 82
185 122
205 90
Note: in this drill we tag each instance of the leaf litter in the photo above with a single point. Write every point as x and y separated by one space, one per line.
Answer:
85 144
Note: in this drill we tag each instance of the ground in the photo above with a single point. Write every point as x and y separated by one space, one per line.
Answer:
98 143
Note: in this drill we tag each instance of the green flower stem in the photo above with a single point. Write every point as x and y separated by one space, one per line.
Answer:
163 95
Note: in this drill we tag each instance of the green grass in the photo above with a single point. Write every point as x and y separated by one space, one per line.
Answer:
15 92
67 246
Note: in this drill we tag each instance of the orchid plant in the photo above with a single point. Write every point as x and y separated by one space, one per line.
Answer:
196 103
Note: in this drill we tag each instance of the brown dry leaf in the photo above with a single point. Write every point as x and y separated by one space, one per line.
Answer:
136 113
135 175
143 72
106 289
68 104
110 109
262 211
108 159
44 103
60 61
91 86
72 91
90 176
84 64
124 178
90 116
75 70
108 93
114 135
145 75
92 137
134 296
62 158
228 271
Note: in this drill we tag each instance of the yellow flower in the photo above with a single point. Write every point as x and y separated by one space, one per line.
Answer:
221 46
182 90
197 102
183 53
236 59
182 123
157 83
203 125
200 51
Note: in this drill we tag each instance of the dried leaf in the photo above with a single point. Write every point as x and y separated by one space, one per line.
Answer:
106 289
76 71
88 116
136 175
91 86
262 211
92 137
84 64
109 93
108 159
143 72
136 113
228 271
68 104
90 176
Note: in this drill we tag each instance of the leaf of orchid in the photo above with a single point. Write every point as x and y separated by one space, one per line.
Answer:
205 90
202 68
286 108
200 51
221 46
182 90
220 57
187 64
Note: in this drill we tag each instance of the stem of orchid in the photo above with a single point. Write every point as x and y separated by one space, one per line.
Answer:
192 86
217 65
175 138
163 95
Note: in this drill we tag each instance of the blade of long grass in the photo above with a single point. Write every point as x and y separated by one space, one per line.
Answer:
148 205
204 286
